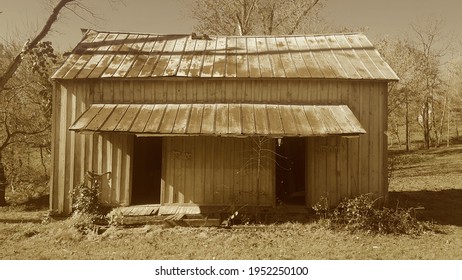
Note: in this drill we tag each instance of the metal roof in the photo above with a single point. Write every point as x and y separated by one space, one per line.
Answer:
134 55
220 119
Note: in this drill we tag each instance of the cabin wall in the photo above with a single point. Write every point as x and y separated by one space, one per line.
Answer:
74 154
218 171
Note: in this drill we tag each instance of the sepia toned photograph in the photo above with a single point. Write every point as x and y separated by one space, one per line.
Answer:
230 130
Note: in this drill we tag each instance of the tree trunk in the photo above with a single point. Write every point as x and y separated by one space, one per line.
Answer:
3 184
407 124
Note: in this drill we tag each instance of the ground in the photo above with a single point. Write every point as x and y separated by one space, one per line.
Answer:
428 181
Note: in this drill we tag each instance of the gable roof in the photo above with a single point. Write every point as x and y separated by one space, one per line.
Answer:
134 55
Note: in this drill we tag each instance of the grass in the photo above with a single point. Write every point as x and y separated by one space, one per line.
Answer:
425 180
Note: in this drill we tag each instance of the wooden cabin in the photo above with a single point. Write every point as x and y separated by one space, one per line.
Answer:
220 120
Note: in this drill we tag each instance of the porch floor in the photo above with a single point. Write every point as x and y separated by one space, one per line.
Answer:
196 215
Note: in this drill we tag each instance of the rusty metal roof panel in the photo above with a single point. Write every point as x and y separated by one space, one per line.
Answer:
132 55
236 120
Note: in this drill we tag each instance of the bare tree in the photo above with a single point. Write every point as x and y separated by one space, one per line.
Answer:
403 96
252 17
428 37
25 106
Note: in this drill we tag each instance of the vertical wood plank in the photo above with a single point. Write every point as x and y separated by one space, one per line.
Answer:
209 174
364 143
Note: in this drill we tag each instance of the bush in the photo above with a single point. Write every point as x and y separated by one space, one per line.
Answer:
86 207
85 199
362 214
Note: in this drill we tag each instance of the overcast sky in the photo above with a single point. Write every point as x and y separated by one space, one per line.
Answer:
21 18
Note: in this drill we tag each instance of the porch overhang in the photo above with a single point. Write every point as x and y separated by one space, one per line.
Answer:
233 120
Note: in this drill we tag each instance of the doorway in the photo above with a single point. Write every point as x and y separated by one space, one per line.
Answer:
290 170
147 170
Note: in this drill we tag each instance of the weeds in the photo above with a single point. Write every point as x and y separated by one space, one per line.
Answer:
362 214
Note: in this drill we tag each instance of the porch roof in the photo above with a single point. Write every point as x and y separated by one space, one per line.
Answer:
236 120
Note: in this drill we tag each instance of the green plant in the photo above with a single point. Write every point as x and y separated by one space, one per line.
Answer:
363 214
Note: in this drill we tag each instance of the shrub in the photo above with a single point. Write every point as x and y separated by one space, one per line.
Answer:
86 207
85 199
362 214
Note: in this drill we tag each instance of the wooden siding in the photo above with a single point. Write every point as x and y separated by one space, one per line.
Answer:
218 171
73 154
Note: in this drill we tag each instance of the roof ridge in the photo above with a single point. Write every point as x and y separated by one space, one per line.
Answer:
229 36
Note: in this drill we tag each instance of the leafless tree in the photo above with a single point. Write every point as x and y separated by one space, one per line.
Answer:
257 17
429 35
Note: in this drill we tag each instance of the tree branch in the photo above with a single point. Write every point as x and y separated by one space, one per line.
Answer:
14 65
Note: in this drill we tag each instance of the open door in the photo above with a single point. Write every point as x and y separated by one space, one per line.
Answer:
290 170
147 169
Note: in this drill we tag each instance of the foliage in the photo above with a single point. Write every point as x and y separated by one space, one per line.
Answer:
86 207
85 199
362 214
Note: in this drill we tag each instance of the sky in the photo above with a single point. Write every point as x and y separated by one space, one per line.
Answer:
20 19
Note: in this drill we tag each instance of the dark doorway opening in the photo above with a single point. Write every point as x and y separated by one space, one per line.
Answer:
290 170
147 169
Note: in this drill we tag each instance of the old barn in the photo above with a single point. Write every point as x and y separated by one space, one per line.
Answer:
220 120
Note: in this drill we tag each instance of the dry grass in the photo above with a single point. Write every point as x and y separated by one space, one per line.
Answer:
428 179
